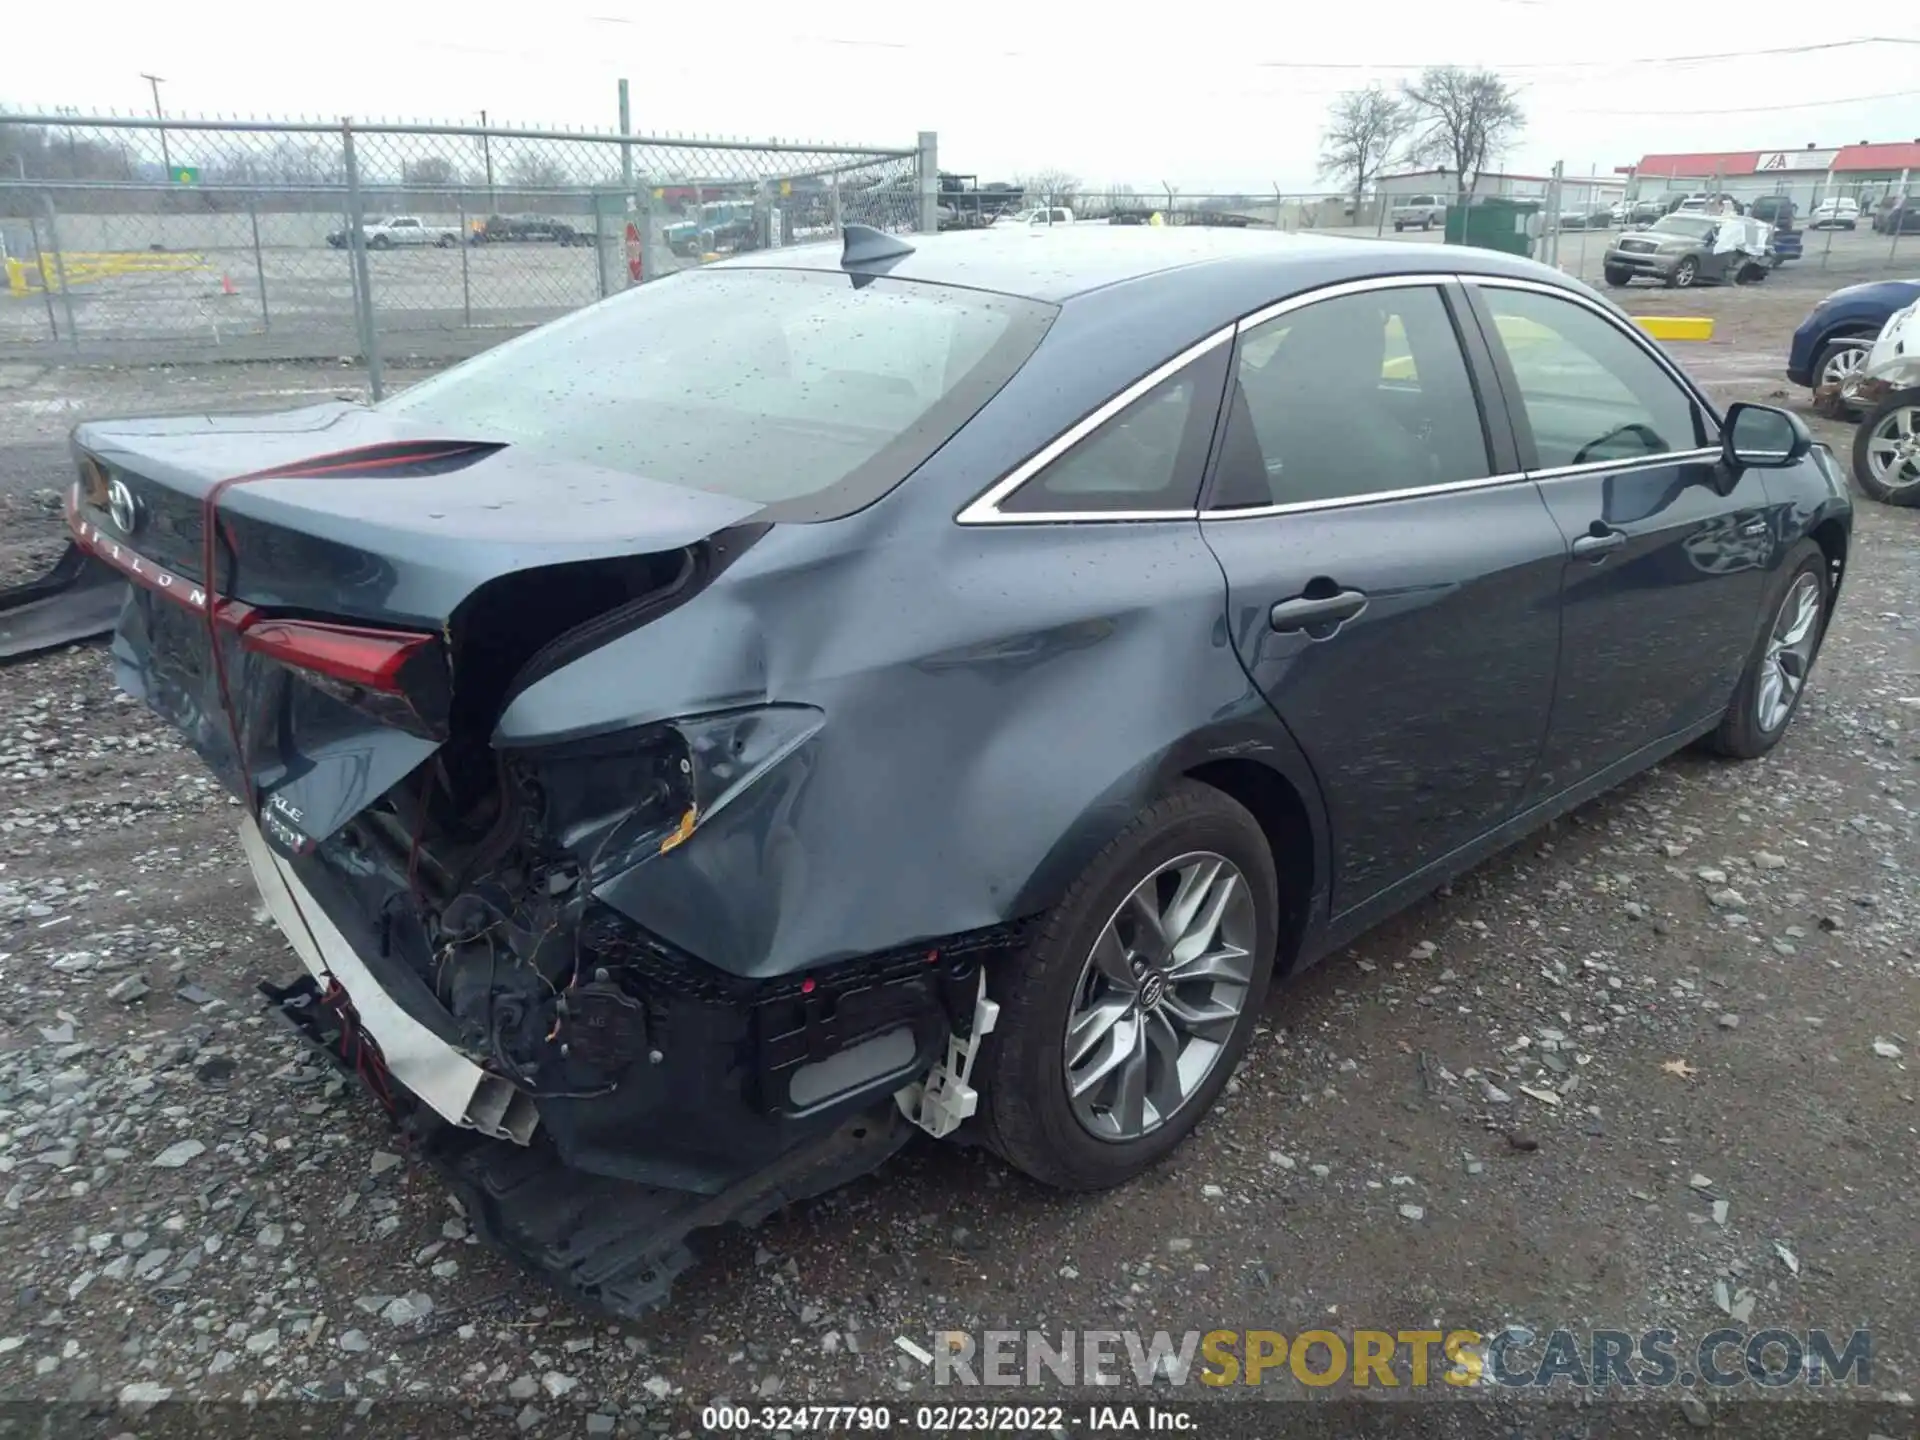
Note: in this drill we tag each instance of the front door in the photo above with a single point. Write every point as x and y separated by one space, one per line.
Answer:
1665 574
1392 584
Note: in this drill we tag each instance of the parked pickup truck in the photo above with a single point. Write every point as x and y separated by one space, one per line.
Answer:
408 230
1425 211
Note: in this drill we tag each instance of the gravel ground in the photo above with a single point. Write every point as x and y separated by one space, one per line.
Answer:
1652 1066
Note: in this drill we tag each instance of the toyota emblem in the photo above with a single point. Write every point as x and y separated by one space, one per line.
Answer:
123 507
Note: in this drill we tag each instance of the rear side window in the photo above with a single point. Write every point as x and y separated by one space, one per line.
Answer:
1147 457
810 392
1590 393
1352 396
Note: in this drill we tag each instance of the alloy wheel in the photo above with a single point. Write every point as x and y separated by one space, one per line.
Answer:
1789 655
1160 996
1842 364
1893 448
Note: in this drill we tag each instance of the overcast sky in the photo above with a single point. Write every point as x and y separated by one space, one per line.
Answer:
1204 97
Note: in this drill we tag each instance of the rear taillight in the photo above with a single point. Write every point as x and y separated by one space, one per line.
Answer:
397 676
350 654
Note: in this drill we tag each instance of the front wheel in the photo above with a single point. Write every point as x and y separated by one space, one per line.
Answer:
1840 360
380 242
1426 224
1684 274
1776 675
1617 276
1124 1020
1886 450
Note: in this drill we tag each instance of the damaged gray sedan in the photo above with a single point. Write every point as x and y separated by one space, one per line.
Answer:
930 684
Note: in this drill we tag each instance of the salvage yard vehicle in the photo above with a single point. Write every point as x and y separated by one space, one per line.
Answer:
1833 340
1684 249
1900 218
1037 215
1424 211
1886 444
930 684
1835 213
720 223
498 228
408 230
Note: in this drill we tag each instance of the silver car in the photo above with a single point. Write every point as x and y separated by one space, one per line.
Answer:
1678 251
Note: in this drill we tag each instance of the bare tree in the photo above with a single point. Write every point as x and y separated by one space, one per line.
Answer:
1463 119
1363 135
1042 186
531 171
429 172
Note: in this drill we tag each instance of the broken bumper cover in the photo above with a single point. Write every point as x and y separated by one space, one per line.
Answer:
650 1065
458 1090
607 1242
78 599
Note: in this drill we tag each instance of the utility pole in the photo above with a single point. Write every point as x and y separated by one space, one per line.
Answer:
156 81
486 158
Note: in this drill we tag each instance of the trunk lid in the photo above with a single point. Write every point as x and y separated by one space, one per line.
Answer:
349 528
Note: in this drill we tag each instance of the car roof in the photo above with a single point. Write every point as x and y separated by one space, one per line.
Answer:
1056 263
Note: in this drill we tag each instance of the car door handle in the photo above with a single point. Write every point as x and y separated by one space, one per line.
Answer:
1305 612
1598 547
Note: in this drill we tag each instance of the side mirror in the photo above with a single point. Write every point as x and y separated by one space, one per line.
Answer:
1763 437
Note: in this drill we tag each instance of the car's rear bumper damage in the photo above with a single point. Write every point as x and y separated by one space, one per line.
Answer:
668 1096
614 1243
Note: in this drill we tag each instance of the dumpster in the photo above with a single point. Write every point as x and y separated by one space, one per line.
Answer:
1493 222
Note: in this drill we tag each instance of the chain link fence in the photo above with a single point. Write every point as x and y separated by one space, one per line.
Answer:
137 240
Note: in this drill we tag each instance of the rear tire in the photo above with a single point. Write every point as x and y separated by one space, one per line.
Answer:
1745 733
1895 422
1029 1117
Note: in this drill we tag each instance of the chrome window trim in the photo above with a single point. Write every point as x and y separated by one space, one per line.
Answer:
1437 279
1342 502
1612 317
984 509
1636 462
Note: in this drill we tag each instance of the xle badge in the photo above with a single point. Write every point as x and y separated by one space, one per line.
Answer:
280 823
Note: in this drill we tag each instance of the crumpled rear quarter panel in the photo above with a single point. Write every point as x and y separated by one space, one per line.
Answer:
998 702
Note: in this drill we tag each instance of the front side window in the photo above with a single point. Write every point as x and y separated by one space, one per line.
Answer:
808 391
1589 392
1348 397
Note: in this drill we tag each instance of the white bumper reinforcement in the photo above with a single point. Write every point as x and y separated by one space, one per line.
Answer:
455 1087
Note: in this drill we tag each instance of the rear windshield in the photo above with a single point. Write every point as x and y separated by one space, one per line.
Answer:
802 390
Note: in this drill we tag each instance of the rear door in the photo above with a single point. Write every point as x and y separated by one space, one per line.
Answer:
1664 577
1393 581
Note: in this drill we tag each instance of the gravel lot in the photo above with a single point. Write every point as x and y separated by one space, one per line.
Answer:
1478 1116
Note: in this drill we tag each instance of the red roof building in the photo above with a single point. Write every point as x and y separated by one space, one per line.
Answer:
1846 160
1728 162
1879 157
